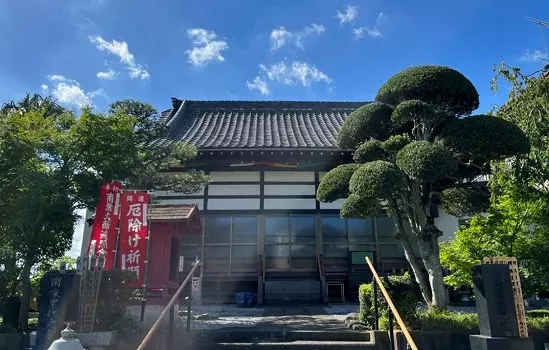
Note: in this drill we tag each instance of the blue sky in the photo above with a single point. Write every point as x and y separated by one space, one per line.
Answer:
99 51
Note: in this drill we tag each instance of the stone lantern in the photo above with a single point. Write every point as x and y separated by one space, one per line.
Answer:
68 341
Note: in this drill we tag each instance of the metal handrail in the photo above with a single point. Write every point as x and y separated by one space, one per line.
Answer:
156 325
393 309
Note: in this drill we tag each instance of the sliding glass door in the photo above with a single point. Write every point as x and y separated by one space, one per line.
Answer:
290 243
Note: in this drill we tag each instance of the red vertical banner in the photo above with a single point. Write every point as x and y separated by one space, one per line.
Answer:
103 235
132 249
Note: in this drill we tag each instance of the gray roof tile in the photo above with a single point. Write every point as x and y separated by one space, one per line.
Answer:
257 124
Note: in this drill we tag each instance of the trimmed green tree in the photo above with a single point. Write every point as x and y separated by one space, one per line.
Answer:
415 145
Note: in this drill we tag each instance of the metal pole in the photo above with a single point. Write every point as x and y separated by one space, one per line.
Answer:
376 307
189 302
144 299
391 331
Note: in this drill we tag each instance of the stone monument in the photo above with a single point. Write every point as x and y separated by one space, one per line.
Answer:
496 310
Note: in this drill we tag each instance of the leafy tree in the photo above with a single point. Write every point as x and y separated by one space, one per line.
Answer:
517 225
52 162
414 144
517 221
47 266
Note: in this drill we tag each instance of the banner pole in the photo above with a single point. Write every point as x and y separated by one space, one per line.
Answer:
117 244
149 220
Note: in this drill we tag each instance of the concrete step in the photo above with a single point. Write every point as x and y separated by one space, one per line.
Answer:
294 345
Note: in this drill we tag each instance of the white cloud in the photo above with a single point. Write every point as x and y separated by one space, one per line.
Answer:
207 47
69 92
107 75
374 33
121 49
350 15
44 87
533 56
360 32
260 85
280 36
296 73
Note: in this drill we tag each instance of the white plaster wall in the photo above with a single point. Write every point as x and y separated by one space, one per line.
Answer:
233 204
234 176
198 202
447 223
289 203
86 233
289 190
233 190
289 176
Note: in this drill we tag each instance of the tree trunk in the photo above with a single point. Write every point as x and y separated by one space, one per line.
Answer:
430 253
417 270
25 298
409 252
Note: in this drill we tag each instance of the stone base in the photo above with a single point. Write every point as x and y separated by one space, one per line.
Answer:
482 342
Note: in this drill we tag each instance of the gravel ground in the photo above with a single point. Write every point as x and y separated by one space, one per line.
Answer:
227 317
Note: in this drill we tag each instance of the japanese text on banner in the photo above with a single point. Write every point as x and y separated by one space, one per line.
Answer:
103 235
133 234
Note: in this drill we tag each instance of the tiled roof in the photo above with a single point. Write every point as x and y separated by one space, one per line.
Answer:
168 212
257 124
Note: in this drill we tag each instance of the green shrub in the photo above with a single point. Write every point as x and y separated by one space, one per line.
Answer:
366 307
537 313
537 323
114 299
445 321
404 293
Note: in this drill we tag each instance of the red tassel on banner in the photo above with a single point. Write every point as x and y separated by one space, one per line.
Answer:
132 248
103 235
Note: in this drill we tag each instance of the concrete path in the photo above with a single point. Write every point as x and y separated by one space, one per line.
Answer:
299 318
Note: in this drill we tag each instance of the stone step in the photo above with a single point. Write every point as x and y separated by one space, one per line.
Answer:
250 336
294 345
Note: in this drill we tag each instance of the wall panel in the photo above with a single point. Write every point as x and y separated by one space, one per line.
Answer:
234 176
289 176
233 190
289 203
233 204
289 190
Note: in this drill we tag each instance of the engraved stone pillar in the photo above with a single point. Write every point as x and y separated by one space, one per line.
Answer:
496 310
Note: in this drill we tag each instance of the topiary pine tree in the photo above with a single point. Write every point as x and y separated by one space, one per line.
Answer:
417 145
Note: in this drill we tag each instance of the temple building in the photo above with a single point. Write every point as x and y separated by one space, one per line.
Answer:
263 231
